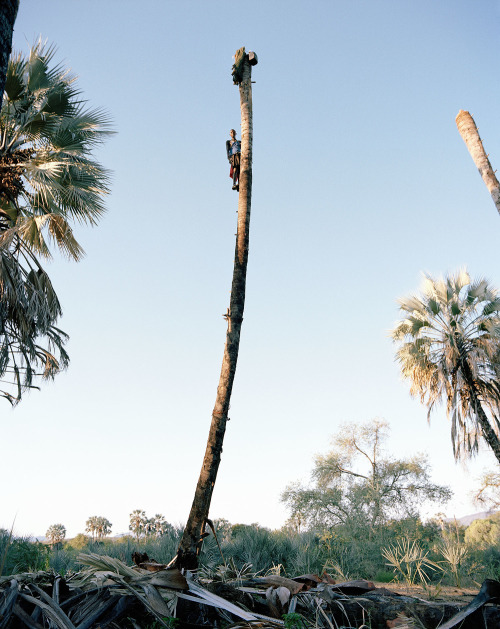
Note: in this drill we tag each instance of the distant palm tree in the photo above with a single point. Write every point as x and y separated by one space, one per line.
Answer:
47 181
92 526
138 523
449 348
56 533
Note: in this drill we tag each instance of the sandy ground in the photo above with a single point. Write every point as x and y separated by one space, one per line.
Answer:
433 592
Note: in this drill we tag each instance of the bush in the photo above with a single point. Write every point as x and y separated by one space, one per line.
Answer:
23 555
484 533
78 543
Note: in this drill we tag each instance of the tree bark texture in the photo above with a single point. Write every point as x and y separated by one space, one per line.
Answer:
470 135
187 555
8 13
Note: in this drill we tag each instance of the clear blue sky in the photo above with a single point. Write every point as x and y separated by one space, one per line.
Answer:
361 181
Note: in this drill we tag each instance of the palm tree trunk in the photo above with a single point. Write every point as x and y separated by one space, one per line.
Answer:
8 13
489 434
187 554
470 135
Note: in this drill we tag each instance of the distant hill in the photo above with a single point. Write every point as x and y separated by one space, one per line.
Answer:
468 519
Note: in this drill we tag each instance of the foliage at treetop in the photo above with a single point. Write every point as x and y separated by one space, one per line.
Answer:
142 526
98 526
357 484
47 181
449 349
56 533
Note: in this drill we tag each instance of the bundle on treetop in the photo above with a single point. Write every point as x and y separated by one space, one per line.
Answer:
237 70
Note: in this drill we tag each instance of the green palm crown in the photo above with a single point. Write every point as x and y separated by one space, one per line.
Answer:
48 180
449 349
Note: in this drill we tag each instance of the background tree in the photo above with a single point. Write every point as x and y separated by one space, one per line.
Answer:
488 494
357 484
79 542
56 533
138 523
103 527
449 348
484 533
187 555
91 526
98 526
159 525
48 180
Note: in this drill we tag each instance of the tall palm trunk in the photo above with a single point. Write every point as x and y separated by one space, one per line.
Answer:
187 554
470 135
489 434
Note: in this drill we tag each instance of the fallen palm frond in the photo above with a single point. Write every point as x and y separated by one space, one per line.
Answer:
108 594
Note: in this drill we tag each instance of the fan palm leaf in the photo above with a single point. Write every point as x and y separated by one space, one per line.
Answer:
46 138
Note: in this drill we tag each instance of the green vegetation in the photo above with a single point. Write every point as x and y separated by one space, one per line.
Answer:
360 519
484 533
407 551
410 561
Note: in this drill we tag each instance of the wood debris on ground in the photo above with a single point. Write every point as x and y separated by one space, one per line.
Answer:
109 594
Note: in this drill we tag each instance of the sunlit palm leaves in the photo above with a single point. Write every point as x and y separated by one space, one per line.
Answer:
45 122
48 180
449 349
30 343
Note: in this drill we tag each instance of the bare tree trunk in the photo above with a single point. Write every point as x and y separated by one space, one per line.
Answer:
470 135
8 13
187 554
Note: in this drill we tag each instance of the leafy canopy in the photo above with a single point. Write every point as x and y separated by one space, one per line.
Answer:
357 484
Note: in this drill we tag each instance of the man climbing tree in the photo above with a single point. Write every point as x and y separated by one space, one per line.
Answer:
233 150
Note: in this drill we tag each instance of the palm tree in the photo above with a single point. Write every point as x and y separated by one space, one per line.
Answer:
92 526
47 181
449 348
138 522
56 533
189 548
